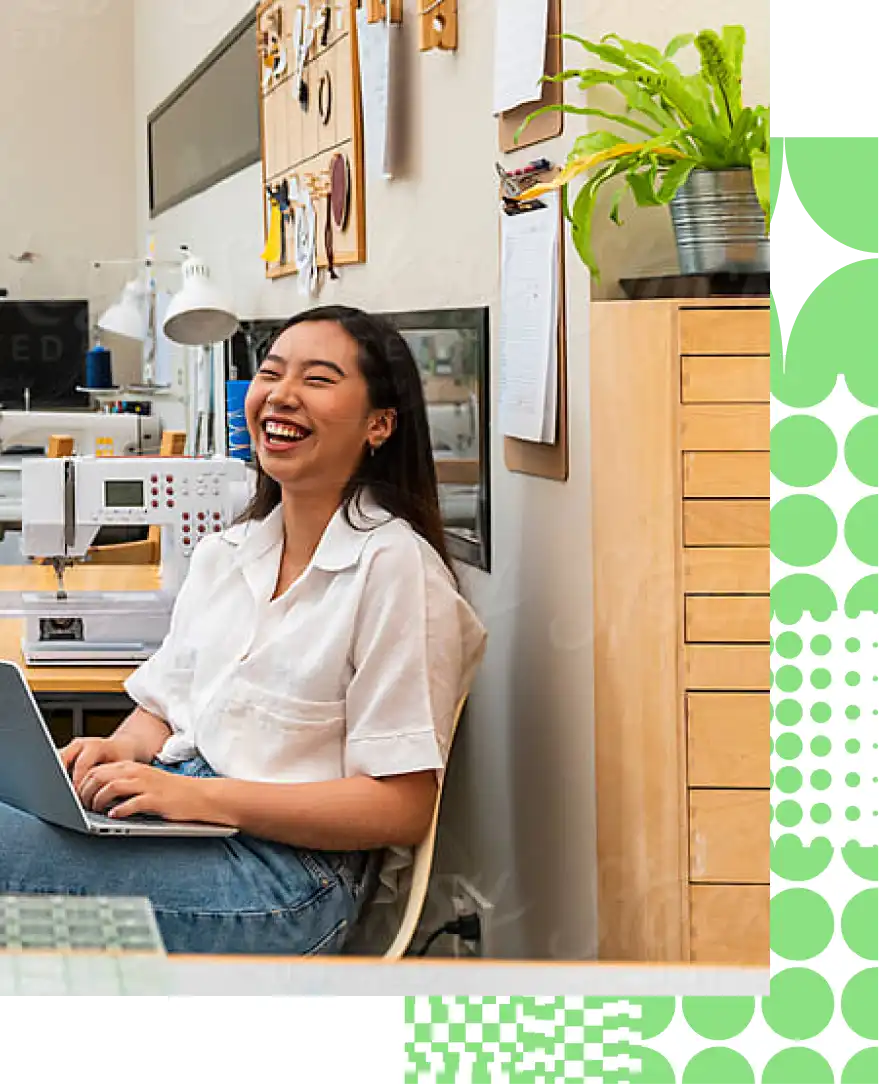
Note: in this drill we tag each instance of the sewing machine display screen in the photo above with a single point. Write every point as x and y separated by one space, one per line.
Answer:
123 494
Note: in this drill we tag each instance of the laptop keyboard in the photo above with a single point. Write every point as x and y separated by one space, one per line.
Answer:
135 818
79 945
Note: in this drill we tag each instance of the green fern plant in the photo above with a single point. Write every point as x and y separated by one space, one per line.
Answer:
679 123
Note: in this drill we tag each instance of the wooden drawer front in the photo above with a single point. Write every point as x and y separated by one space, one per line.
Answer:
726 619
729 836
726 571
726 523
729 924
725 380
724 331
725 474
726 667
725 427
728 739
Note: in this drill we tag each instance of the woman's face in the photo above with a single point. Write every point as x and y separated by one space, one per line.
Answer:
308 409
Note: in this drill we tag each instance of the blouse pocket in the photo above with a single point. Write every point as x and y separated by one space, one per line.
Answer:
275 737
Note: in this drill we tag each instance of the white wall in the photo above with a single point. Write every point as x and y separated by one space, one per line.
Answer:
519 815
67 162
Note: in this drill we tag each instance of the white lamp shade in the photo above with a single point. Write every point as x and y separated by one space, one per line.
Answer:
129 317
199 314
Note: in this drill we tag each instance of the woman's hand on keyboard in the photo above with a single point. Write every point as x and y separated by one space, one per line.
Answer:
125 787
83 754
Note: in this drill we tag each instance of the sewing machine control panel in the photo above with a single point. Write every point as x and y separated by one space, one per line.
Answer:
191 497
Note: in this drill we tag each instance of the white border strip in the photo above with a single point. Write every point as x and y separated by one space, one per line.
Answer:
342 978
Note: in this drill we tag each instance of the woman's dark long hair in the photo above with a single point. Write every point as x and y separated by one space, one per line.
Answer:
401 475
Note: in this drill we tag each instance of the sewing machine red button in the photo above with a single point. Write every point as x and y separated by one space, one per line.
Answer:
170 504
155 504
186 515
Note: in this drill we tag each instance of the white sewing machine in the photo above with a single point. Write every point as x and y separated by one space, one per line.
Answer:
66 501
25 434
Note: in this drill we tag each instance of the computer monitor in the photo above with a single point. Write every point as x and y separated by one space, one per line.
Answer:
43 345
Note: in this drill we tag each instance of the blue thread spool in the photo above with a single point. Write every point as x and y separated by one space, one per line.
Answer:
238 437
98 368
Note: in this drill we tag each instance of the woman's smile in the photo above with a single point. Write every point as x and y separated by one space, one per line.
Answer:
284 436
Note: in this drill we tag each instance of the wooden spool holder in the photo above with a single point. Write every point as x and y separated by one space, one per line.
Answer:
433 14
376 11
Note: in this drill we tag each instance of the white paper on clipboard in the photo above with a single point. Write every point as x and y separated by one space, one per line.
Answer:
529 322
519 53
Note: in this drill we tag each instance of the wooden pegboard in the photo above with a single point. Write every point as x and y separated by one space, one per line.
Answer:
300 142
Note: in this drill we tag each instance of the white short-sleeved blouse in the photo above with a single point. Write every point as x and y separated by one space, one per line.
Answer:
356 669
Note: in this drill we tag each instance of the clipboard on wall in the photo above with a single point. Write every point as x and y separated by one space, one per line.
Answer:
541 459
550 125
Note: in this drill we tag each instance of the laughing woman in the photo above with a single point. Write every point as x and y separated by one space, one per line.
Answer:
306 690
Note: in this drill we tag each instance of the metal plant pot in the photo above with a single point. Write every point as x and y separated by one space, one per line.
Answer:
719 225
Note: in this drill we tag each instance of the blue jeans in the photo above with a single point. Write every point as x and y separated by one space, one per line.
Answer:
210 895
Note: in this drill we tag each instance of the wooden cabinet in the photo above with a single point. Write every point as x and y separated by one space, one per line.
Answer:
680 467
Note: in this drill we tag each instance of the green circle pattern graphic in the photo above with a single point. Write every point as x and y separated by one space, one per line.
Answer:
860 924
800 923
719 1065
798 1063
799 1005
802 530
802 451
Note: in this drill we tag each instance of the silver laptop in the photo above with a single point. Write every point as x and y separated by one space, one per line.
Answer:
33 779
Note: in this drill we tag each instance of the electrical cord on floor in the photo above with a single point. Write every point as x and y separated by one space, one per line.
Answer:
467 927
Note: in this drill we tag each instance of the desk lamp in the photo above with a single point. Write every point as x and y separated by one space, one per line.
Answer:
197 315
200 315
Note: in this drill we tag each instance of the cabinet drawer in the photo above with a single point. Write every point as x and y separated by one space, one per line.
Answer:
729 924
726 571
724 427
728 739
729 836
729 667
726 474
726 523
724 331
726 619
725 379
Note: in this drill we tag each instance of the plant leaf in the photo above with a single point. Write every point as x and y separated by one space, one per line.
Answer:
607 53
713 145
675 176
581 224
584 208
678 43
642 183
740 137
594 141
644 54
717 73
688 102
583 111
639 99
631 151
733 38
614 213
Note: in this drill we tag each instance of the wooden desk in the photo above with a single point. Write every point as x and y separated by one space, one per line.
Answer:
70 679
